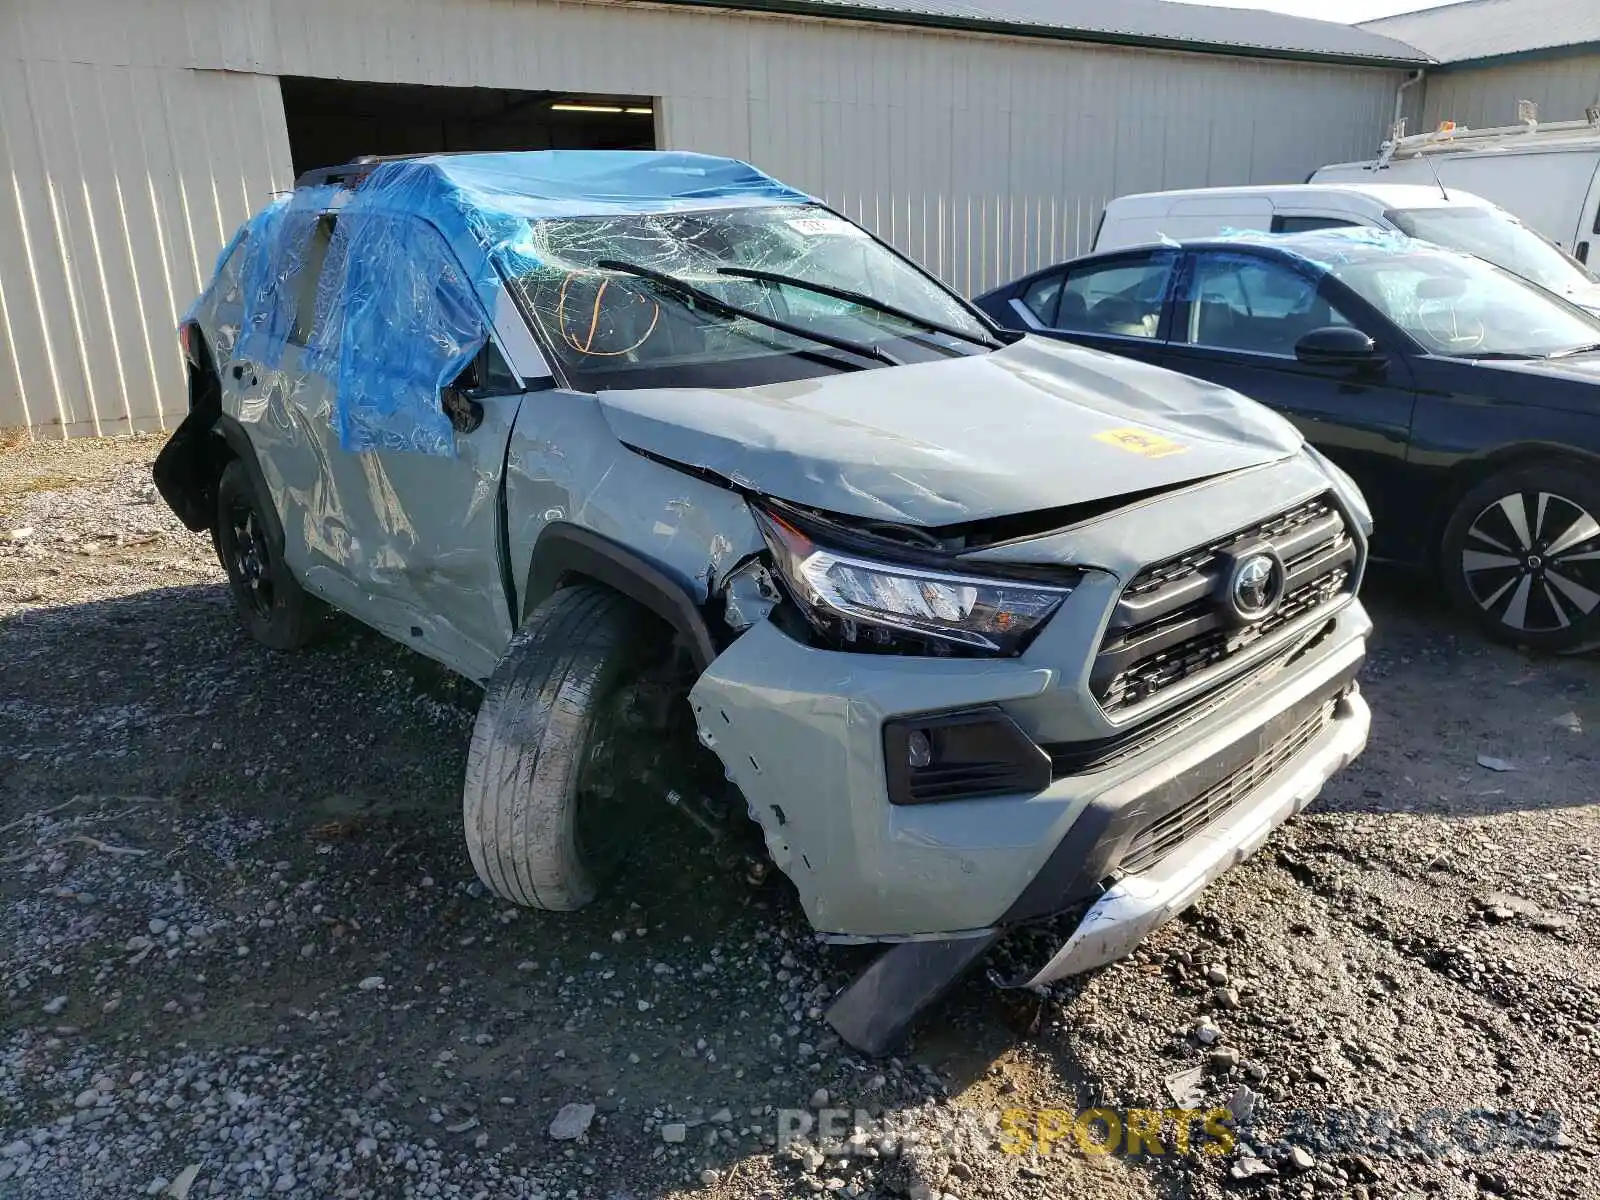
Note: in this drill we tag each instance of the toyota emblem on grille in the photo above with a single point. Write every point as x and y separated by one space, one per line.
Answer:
1256 587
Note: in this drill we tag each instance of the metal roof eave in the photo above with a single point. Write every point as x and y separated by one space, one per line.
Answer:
836 11
1534 54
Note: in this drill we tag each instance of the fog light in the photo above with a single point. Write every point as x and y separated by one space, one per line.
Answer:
929 758
918 751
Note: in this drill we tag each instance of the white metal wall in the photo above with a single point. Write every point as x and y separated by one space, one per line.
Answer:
136 134
1487 96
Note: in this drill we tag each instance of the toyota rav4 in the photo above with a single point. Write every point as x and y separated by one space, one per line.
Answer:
986 631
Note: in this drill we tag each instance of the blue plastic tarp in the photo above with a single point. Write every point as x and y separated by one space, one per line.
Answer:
412 273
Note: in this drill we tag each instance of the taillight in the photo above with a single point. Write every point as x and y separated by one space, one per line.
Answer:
186 340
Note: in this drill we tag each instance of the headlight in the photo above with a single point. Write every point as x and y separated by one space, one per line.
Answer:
873 605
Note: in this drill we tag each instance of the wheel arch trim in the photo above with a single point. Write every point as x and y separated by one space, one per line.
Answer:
233 433
1468 473
565 550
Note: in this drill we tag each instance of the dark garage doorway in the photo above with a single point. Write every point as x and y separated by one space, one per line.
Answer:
334 120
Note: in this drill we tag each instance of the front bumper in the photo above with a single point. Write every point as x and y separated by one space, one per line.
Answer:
800 731
1139 904
875 1011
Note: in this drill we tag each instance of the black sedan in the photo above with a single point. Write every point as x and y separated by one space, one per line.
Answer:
1463 400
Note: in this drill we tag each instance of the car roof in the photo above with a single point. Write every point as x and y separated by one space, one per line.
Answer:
530 184
1318 248
1384 195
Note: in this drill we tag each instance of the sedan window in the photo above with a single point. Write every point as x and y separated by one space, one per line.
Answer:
1040 298
1123 297
1466 308
1238 302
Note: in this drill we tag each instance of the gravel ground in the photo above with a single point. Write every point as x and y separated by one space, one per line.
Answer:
247 956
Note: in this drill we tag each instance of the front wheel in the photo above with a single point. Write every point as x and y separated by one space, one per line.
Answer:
1521 556
549 770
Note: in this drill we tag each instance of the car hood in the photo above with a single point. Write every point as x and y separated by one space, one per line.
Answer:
1037 425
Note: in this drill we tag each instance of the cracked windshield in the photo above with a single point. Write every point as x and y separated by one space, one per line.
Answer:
1466 308
733 296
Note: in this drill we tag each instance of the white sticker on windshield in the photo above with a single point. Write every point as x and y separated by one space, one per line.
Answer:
822 226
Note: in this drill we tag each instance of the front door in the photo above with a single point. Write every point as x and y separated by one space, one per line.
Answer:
404 526
1236 324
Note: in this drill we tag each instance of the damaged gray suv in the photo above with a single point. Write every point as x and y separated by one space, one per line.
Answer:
986 632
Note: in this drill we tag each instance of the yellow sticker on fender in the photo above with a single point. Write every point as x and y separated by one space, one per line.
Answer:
1140 441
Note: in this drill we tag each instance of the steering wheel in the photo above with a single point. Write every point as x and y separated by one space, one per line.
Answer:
1448 327
611 325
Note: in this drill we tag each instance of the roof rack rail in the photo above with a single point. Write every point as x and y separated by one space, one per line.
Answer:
353 172
348 173
1452 138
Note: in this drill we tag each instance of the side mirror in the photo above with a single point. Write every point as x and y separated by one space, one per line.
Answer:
465 413
1337 346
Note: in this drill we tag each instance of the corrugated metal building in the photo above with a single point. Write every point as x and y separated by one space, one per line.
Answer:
1491 53
982 137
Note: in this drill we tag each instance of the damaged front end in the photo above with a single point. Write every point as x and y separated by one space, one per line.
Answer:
960 615
920 718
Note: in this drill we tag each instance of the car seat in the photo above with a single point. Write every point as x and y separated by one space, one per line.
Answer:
1074 312
1218 322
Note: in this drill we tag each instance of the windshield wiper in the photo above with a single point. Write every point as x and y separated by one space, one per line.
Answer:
865 301
1589 349
721 308
1499 356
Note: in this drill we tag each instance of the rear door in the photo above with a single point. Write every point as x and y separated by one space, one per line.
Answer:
1119 303
1236 321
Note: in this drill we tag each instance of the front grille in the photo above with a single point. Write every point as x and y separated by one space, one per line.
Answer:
1172 622
1165 835
1076 758
1154 579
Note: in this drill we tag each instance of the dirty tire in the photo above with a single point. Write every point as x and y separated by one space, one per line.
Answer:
1521 556
275 609
541 717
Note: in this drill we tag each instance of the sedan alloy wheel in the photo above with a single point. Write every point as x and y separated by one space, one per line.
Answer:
1531 560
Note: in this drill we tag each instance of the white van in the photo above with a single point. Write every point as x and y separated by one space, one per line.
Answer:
1451 218
1548 176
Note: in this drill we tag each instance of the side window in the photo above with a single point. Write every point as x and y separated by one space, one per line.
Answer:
230 267
488 374
1238 302
303 285
401 316
227 292
1123 297
1041 298
1283 224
